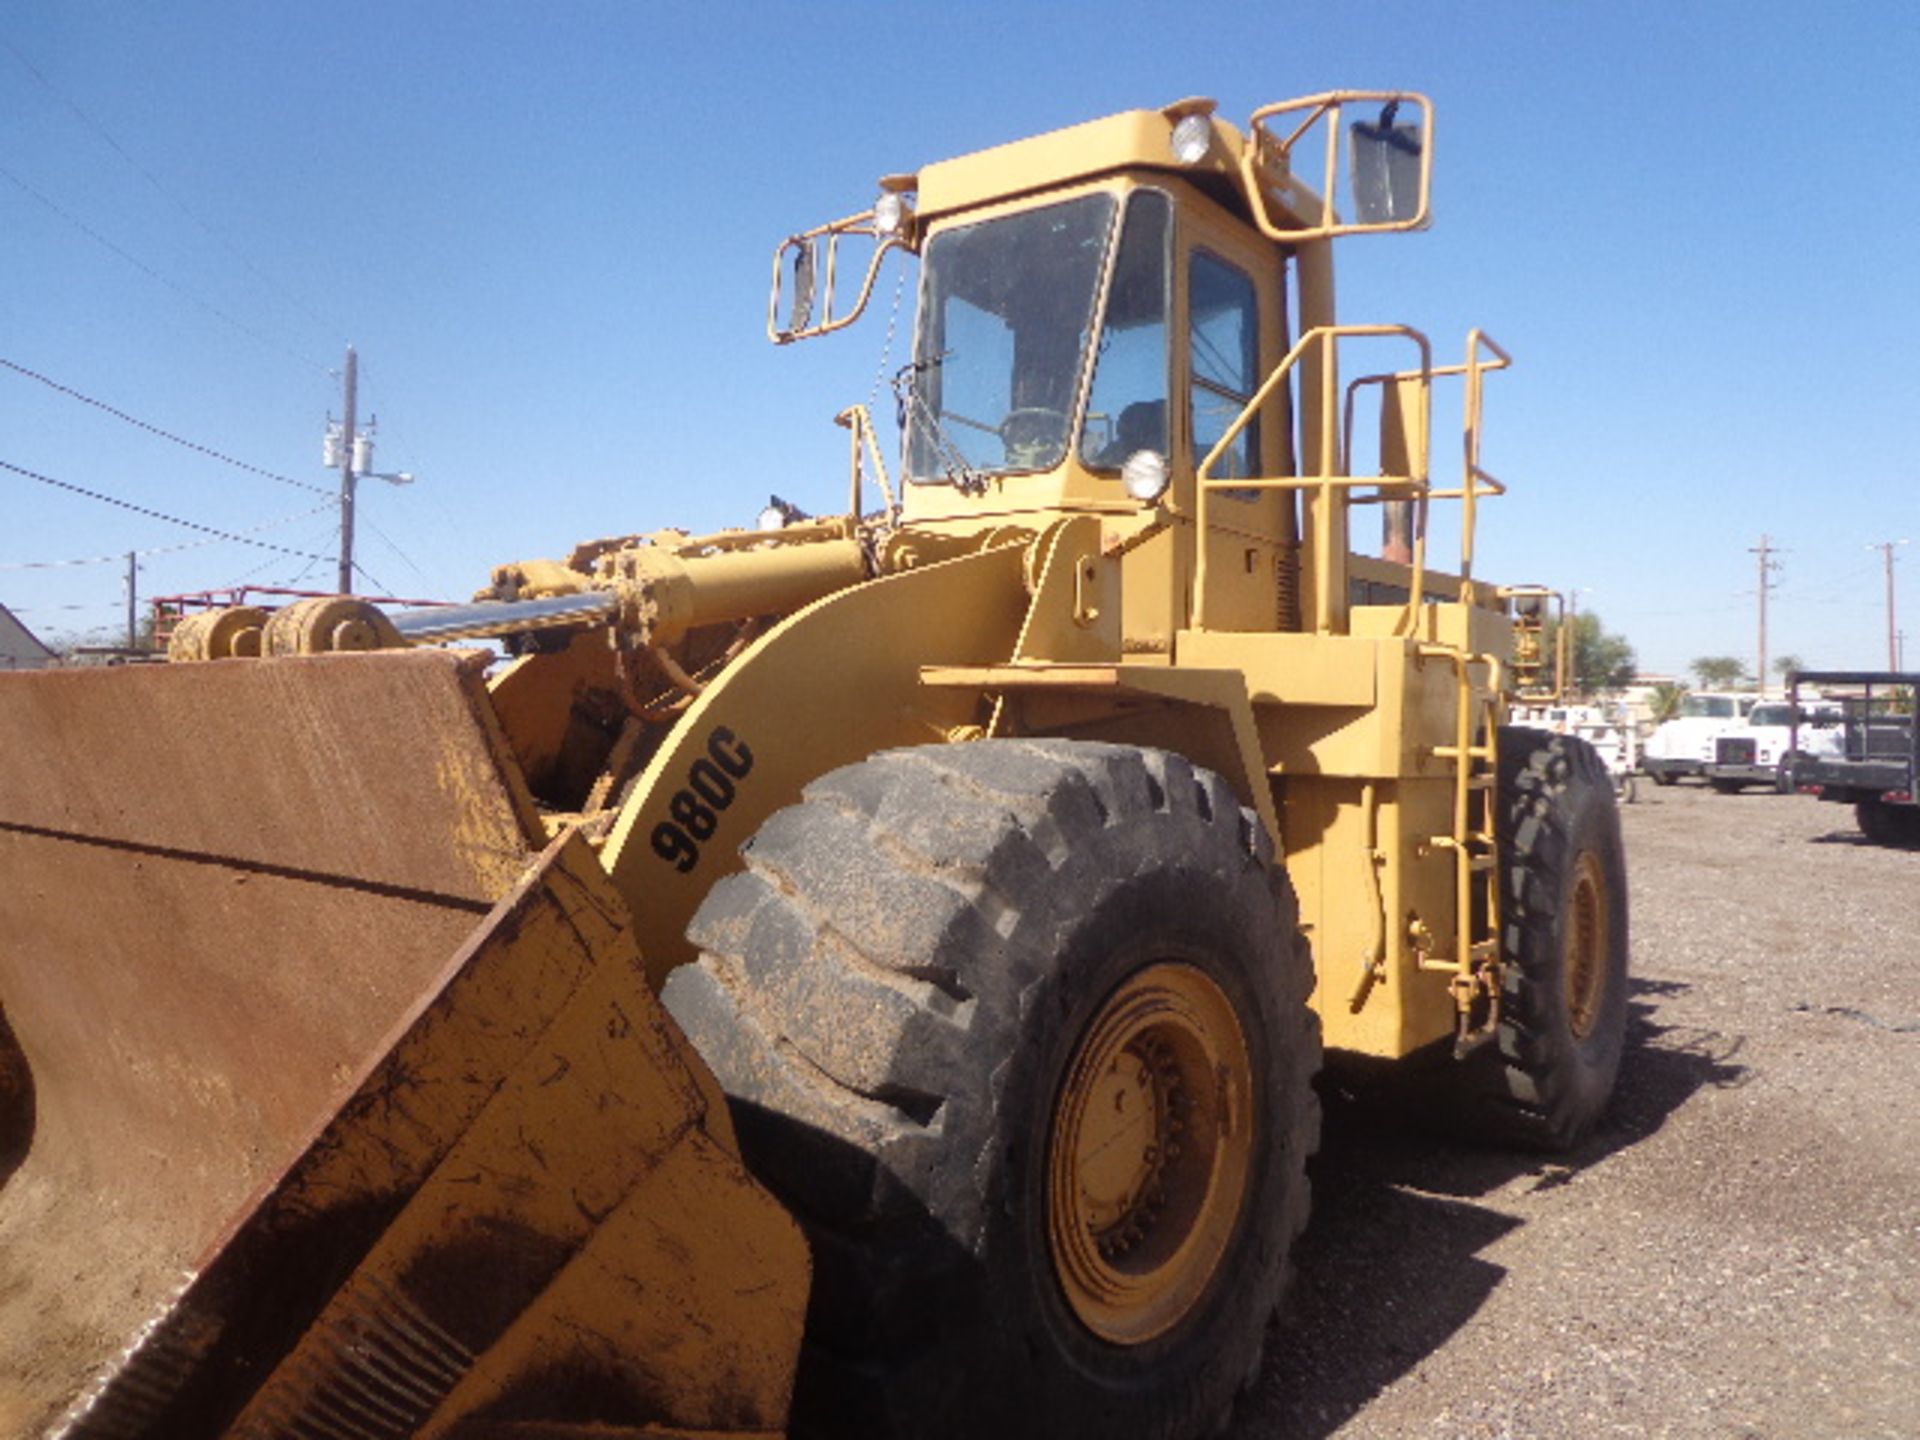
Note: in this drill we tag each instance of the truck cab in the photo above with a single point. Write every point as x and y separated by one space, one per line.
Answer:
1683 746
1762 749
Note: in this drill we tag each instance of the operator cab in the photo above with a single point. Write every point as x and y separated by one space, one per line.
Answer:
1054 339
1106 311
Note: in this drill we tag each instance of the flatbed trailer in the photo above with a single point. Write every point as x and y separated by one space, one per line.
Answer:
1879 759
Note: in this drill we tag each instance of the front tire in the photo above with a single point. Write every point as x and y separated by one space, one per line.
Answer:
1563 1005
1018 1031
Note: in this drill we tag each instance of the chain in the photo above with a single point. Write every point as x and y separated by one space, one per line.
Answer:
886 347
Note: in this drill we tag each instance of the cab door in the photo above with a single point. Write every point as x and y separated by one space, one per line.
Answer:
1231 329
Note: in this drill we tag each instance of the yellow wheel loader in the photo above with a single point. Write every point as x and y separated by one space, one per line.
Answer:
859 974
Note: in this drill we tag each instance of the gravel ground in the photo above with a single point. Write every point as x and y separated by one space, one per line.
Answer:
1735 1252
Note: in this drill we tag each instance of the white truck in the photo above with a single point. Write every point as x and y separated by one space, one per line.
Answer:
1684 745
1760 750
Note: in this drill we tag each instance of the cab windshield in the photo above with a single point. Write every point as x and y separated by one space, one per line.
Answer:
1005 313
1708 707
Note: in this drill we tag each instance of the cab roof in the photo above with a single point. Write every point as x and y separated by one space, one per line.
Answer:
1132 140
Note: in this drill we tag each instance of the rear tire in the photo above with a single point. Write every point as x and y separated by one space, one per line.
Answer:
1563 1008
1885 824
942 983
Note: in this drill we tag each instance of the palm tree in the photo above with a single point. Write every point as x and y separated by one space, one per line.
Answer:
1719 672
1664 702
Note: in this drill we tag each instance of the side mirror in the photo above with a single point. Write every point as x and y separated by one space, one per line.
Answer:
1381 184
794 301
811 277
1386 170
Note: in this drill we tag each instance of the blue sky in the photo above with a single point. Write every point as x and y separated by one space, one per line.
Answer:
547 230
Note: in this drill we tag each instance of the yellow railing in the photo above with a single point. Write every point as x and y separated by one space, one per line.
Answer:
1475 481
1333 422
1320 343
865 448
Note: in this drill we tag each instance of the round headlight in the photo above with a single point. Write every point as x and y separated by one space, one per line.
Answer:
771 518
1192 138
892 214
1145 475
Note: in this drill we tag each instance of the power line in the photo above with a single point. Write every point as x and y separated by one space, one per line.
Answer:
378 588
206 450
150 514
318 538
147 175
405 558
151 273
163 549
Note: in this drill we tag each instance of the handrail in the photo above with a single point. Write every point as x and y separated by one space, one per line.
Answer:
1416 486
865 450
1328 480
807 242
1264 149
1473 476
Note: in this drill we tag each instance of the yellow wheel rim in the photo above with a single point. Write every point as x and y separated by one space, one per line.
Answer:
1150 1153
1586 948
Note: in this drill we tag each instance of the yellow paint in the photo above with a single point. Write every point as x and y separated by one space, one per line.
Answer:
828 686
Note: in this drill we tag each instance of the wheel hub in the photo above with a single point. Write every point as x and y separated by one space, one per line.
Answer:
1585 955
1150 1153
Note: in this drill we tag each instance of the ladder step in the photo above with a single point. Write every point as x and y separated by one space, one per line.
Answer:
1478 848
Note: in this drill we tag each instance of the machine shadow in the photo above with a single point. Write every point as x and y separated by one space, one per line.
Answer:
1391 1266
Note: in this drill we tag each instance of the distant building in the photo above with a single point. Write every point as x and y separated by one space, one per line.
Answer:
19 650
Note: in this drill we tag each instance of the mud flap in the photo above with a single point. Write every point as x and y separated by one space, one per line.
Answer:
332 1102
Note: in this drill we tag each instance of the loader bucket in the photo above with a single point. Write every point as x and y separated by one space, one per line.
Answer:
333 1100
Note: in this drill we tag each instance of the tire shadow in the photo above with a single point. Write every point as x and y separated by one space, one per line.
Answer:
1390 1268
1853 839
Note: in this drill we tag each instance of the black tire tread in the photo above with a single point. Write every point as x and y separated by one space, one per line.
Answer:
1523 1090
890 924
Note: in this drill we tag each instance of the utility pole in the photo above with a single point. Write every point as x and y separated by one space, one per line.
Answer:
351 380
133 623
1764 550
1885 548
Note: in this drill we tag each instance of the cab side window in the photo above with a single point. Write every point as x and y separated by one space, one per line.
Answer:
1224 345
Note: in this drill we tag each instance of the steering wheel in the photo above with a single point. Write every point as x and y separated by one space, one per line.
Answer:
1029 432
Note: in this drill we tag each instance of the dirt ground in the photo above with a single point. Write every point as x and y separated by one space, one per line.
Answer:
1736 1252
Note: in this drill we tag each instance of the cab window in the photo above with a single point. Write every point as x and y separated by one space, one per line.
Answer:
1224 348
1006 317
